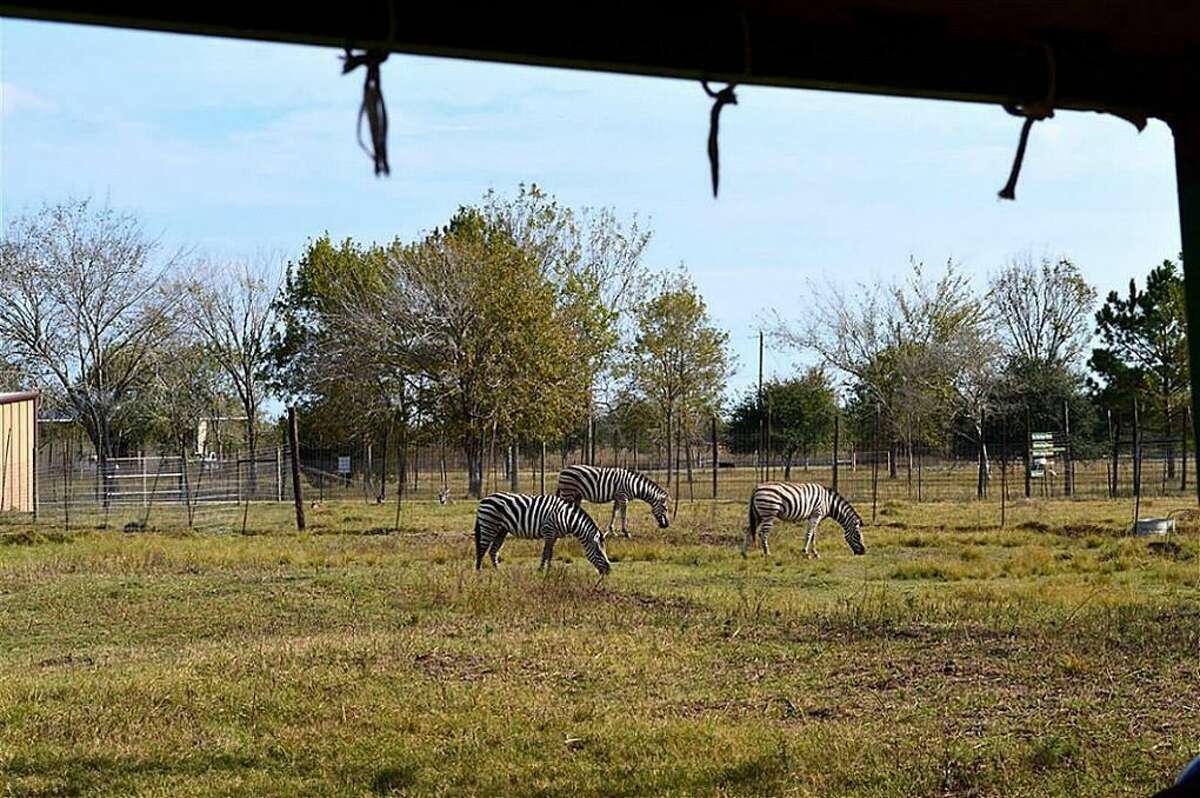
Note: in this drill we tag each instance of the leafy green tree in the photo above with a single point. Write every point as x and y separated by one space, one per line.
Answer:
802 411
334 407
679 360
464 328
1144 346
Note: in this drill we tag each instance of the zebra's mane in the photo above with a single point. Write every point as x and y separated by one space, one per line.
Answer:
648 490
842 511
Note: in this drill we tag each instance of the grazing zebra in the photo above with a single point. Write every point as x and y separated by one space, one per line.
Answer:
545 517
617 485
793 502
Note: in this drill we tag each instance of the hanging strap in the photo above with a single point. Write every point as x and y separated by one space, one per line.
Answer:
721 99
1032 112
373 106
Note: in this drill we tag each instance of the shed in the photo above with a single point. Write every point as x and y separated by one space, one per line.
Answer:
18 452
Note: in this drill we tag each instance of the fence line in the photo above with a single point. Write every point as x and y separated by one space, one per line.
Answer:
125 485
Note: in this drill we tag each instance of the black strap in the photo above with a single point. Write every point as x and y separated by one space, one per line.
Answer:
720 99
373 107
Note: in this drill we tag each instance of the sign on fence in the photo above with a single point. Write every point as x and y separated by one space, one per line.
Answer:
344 464
1042 450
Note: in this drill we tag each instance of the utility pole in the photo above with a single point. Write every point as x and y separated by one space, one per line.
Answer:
761 419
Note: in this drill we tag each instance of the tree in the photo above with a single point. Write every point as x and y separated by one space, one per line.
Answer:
336 404
1144 338
1043 311
11 376
465 327
969 362
802 411
83 304
891 342
233 312
679 359
1144 347
185 386
591 255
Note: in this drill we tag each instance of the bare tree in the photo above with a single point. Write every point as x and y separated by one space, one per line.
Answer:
233 313
1043 310
83 304
969 363
890 340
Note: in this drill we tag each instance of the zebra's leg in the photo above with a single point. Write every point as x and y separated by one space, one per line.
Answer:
613 519
810 542
763 531
748 540
548 551
494 549
481 545
624 513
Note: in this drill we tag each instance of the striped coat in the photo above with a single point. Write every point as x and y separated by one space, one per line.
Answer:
617 485
795 502
547 518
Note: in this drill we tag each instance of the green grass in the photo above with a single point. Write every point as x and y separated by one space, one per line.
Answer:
1053 657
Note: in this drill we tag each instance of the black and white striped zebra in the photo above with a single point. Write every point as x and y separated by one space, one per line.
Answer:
794 502
617 485
547 518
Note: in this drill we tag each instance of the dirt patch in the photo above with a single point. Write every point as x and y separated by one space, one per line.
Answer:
1034 526
673 603
1169 549
30 537
442 665
1083 530
67 661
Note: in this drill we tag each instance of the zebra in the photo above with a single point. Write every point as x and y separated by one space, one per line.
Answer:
542 516
793 502
617 485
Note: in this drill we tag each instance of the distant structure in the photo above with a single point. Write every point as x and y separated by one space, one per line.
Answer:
18 452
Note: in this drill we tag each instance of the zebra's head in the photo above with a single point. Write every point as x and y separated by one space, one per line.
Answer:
659 508
851 523
591 537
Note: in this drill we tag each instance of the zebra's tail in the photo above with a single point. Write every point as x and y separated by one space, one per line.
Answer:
479 547
753 522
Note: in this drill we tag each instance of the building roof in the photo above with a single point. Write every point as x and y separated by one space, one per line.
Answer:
1134 57
18 396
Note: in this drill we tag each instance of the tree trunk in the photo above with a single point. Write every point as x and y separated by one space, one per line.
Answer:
513 468
473 449
383 464
981 483
893 457
787 464
668 447
252 447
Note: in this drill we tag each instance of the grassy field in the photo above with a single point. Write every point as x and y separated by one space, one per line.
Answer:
1054 657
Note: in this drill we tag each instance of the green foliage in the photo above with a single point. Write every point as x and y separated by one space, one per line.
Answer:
1144 344
679 360
802 410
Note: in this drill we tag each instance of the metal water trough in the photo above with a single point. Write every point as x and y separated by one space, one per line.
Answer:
1154 526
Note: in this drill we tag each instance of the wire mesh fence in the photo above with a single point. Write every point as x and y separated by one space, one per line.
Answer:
216 492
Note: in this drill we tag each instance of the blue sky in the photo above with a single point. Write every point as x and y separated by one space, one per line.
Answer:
238 148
